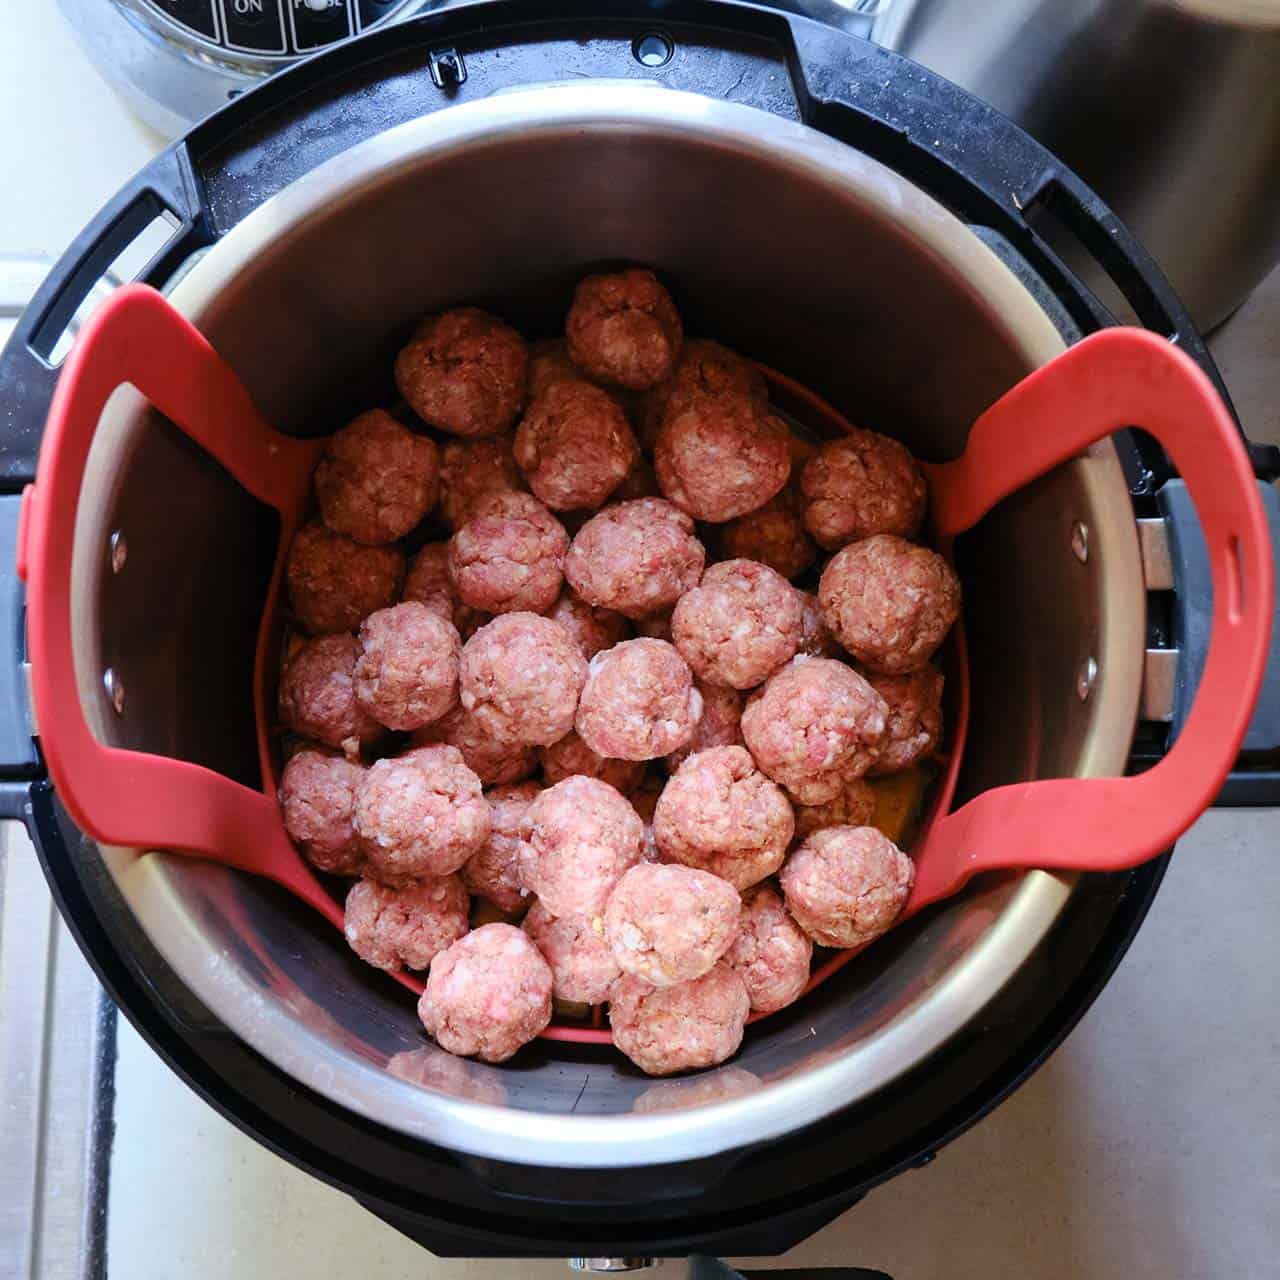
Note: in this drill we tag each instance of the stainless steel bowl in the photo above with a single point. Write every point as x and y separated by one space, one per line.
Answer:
782 242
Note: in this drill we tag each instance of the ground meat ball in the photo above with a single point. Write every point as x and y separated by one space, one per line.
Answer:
488 994
549 362
579 838
594 629
624 330
428 583
722 456
420 814
697 1091
574 445
377 479
469 469
318 696
405 928
640 482
846 886
719 726
520 678
859 485
852 806
816 724
572 756
508 557
317 796
670 924
704 369
915 718
739 625
335 583
719 813
493 761
637 558
465 372
639 701
668 1029
772 534
816 641
583 968
493 871
889 602
771 952
407 670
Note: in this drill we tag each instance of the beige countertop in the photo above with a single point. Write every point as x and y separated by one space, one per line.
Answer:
1149 1145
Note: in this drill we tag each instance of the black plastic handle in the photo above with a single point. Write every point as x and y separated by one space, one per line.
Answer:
1256 780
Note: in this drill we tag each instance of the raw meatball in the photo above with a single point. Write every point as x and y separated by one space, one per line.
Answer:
852 806
668 1029
704 369
816 724
889 602
574 445
582 966
915 719
624 330
405 928
420 814
317 797
520 678
771 952
739 625
721 814
594 629
470 469
670 924
549 362
579 838
488 994
719 726
464 371
377 479
722 456
493 761
816 641
407 670
640 482
859 485
428 583
636 557
639 701
508 557
772 534
318 696
335 583
572 756
697 1091
846 886
493 871
657 626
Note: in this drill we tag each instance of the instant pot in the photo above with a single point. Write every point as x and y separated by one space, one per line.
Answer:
819 203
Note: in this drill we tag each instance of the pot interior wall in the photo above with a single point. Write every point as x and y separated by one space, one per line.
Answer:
767 250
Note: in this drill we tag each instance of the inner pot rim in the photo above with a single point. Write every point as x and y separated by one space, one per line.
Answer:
154 893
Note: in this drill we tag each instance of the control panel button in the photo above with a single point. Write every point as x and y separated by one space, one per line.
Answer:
369 12
195 15
316 23
256 26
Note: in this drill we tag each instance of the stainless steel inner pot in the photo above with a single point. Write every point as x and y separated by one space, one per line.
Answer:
780 241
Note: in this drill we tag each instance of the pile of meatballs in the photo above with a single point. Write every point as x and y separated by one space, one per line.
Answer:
594 708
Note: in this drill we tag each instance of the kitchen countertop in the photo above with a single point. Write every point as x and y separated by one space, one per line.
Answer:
1148 1146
